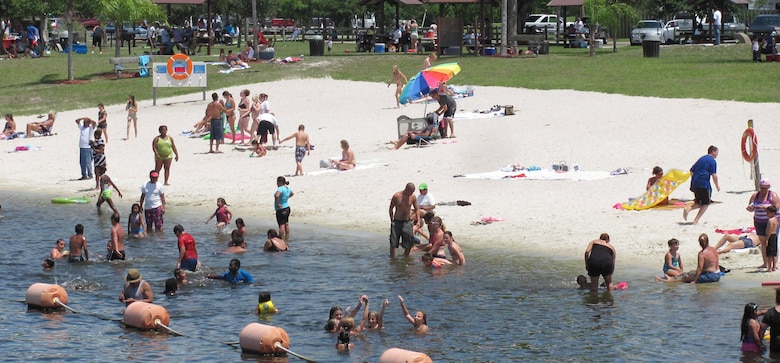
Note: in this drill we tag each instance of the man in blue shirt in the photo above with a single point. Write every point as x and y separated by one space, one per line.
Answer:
234 274
32 36
700 183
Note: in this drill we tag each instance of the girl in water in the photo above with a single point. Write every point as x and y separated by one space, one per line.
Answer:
132 109
673 266
398 76
419 321
135 222
751 334
222 213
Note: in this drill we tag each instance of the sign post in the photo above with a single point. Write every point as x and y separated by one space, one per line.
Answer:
179 71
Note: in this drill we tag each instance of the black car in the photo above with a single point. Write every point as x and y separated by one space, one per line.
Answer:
764 25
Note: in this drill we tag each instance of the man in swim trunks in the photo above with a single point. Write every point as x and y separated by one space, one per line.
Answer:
707 269
735 241
116 249
188 253
214 112
701 171
403 207
77 243
302 147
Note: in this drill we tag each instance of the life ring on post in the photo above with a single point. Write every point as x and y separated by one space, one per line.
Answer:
179 66
751 135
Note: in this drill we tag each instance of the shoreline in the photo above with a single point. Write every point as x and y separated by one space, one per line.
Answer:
599 132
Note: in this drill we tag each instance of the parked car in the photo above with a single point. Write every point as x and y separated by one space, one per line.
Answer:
676 30
765 24
648 30
539 23
89 24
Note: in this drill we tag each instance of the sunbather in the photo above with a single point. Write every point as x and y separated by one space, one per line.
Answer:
736 241
10 127
43 127
428 131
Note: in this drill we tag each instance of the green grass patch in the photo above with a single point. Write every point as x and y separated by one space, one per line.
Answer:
718 73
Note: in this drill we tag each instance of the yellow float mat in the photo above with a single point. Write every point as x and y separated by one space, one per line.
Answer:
659 191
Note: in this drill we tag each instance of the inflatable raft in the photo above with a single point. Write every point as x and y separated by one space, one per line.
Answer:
76 200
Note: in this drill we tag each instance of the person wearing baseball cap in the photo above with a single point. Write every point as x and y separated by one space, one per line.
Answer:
758 204
153 201
136 289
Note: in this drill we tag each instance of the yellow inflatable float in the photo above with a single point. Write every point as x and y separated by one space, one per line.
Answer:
659 191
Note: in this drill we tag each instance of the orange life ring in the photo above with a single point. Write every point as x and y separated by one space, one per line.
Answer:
176 69
749 157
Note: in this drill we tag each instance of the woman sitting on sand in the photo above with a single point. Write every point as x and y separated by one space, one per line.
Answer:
10 127
43 128
347 161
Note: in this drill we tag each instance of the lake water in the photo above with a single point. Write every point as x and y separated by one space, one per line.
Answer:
504 306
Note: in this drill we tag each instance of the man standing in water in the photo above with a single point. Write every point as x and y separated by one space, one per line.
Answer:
214 113
403 206
116 246
77 243
700 183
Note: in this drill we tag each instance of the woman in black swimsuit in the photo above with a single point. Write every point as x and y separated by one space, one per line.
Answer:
600 261
244 110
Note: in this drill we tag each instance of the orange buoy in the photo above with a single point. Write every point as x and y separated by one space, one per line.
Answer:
261 338
143 315
396 355
46 296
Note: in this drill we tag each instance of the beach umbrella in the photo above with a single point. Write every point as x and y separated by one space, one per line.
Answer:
426 80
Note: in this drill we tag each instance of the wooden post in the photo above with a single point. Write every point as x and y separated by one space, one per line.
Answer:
755 170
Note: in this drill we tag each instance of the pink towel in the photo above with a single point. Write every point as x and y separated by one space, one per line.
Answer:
736 231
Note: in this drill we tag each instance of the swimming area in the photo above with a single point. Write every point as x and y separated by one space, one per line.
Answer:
504 306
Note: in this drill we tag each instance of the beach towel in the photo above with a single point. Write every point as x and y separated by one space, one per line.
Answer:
368 164
143 64
510 172
736 230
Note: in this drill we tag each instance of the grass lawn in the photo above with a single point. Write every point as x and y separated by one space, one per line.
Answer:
720 73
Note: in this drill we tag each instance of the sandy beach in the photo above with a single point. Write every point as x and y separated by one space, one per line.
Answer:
598 132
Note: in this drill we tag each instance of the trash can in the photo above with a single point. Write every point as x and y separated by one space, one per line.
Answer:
651 48
316 46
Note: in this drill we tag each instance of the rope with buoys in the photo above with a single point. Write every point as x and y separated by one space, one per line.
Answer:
159 323
278 345
58 302
749 136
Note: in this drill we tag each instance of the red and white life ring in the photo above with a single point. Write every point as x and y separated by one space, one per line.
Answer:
179 66
751 135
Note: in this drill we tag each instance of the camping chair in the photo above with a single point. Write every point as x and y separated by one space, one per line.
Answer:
143 65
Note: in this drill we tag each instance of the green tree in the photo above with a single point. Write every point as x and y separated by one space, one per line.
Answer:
607 13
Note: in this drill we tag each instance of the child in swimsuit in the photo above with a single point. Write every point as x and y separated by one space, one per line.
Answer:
135 223
672 261
222 213
105 189
419 321
264 304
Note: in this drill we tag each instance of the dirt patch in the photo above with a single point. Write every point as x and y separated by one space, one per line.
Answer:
75 81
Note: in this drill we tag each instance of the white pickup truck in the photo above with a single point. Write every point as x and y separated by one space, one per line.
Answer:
540 23
681 29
